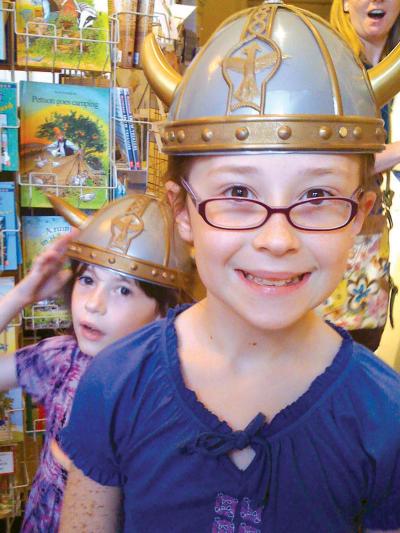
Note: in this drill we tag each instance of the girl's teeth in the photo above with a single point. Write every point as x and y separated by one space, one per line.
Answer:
273 282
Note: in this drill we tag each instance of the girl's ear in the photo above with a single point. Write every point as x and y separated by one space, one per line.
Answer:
345 6
177 201
365 205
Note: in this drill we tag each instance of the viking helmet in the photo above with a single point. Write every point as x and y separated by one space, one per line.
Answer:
134 236
272 78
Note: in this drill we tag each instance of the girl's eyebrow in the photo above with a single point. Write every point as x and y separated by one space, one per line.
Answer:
234 169
126 279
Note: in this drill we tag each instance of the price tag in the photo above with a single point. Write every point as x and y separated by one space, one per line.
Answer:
6 463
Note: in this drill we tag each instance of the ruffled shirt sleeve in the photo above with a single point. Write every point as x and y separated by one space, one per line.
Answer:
41 367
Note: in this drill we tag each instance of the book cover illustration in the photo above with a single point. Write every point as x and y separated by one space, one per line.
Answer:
11 423
63 34
8 126
9 234
64 144
11 415
8 337
37 233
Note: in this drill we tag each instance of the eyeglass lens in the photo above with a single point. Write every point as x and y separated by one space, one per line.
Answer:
321 213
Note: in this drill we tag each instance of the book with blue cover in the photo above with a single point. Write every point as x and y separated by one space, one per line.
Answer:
37 233
65 144
10 256
9 126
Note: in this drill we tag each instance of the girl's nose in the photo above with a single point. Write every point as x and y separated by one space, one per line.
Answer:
277 236
96 302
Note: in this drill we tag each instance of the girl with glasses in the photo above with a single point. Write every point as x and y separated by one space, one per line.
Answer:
247 412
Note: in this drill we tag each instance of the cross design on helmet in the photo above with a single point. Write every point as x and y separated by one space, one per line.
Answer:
249 67
250 58
128 226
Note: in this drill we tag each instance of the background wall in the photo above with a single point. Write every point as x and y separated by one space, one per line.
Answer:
210 13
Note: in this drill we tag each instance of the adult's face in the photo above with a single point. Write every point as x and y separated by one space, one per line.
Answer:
372 19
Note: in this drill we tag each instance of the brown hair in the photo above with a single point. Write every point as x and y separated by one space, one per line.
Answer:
164 296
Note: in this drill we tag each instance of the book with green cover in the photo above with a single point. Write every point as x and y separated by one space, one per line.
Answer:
65 141
8 125
37 233
68 34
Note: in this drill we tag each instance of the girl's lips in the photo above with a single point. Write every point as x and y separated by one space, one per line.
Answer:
90 332
274 283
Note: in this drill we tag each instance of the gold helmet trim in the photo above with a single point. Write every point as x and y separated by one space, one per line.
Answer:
301 132
138 268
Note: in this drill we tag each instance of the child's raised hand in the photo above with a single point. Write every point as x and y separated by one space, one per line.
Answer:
47 277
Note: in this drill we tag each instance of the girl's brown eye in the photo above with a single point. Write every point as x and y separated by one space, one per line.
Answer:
317 193
239 191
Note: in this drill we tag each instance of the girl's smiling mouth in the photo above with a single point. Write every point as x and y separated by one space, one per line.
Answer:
275 280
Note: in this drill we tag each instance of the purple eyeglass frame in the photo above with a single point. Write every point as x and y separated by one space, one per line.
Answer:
200 205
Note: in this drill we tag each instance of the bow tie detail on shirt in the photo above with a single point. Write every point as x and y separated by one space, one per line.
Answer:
214 444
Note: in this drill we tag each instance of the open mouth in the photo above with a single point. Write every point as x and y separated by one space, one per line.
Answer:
376 14
90 331
272 282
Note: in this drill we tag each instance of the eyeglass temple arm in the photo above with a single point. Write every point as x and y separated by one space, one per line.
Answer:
190 191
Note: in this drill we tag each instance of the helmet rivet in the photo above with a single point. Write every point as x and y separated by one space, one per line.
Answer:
164 275
380 133
172 277
242 134
207 135
343 132
284 132
357 132
92 255
180 136
171 136
111 260
133 266
154 272
325 132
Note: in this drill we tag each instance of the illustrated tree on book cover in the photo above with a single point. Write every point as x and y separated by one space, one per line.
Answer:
64 144
63 34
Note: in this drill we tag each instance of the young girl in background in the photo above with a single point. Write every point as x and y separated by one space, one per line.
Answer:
247 412
106 304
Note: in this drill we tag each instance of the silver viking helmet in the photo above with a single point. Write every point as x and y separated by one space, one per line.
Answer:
134 236
272 78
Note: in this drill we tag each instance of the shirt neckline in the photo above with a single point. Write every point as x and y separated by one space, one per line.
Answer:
285 418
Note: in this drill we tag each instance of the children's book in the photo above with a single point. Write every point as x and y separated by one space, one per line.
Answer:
132 131
64 144
8 337
8 126
68 34
11 415
37 233
11 402
122 129
10 256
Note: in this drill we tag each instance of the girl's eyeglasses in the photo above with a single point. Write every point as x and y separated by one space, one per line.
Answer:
314 214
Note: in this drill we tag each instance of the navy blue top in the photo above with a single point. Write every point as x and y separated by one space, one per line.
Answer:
327 462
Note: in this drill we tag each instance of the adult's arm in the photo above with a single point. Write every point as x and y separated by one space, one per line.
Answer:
89 506
387 159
